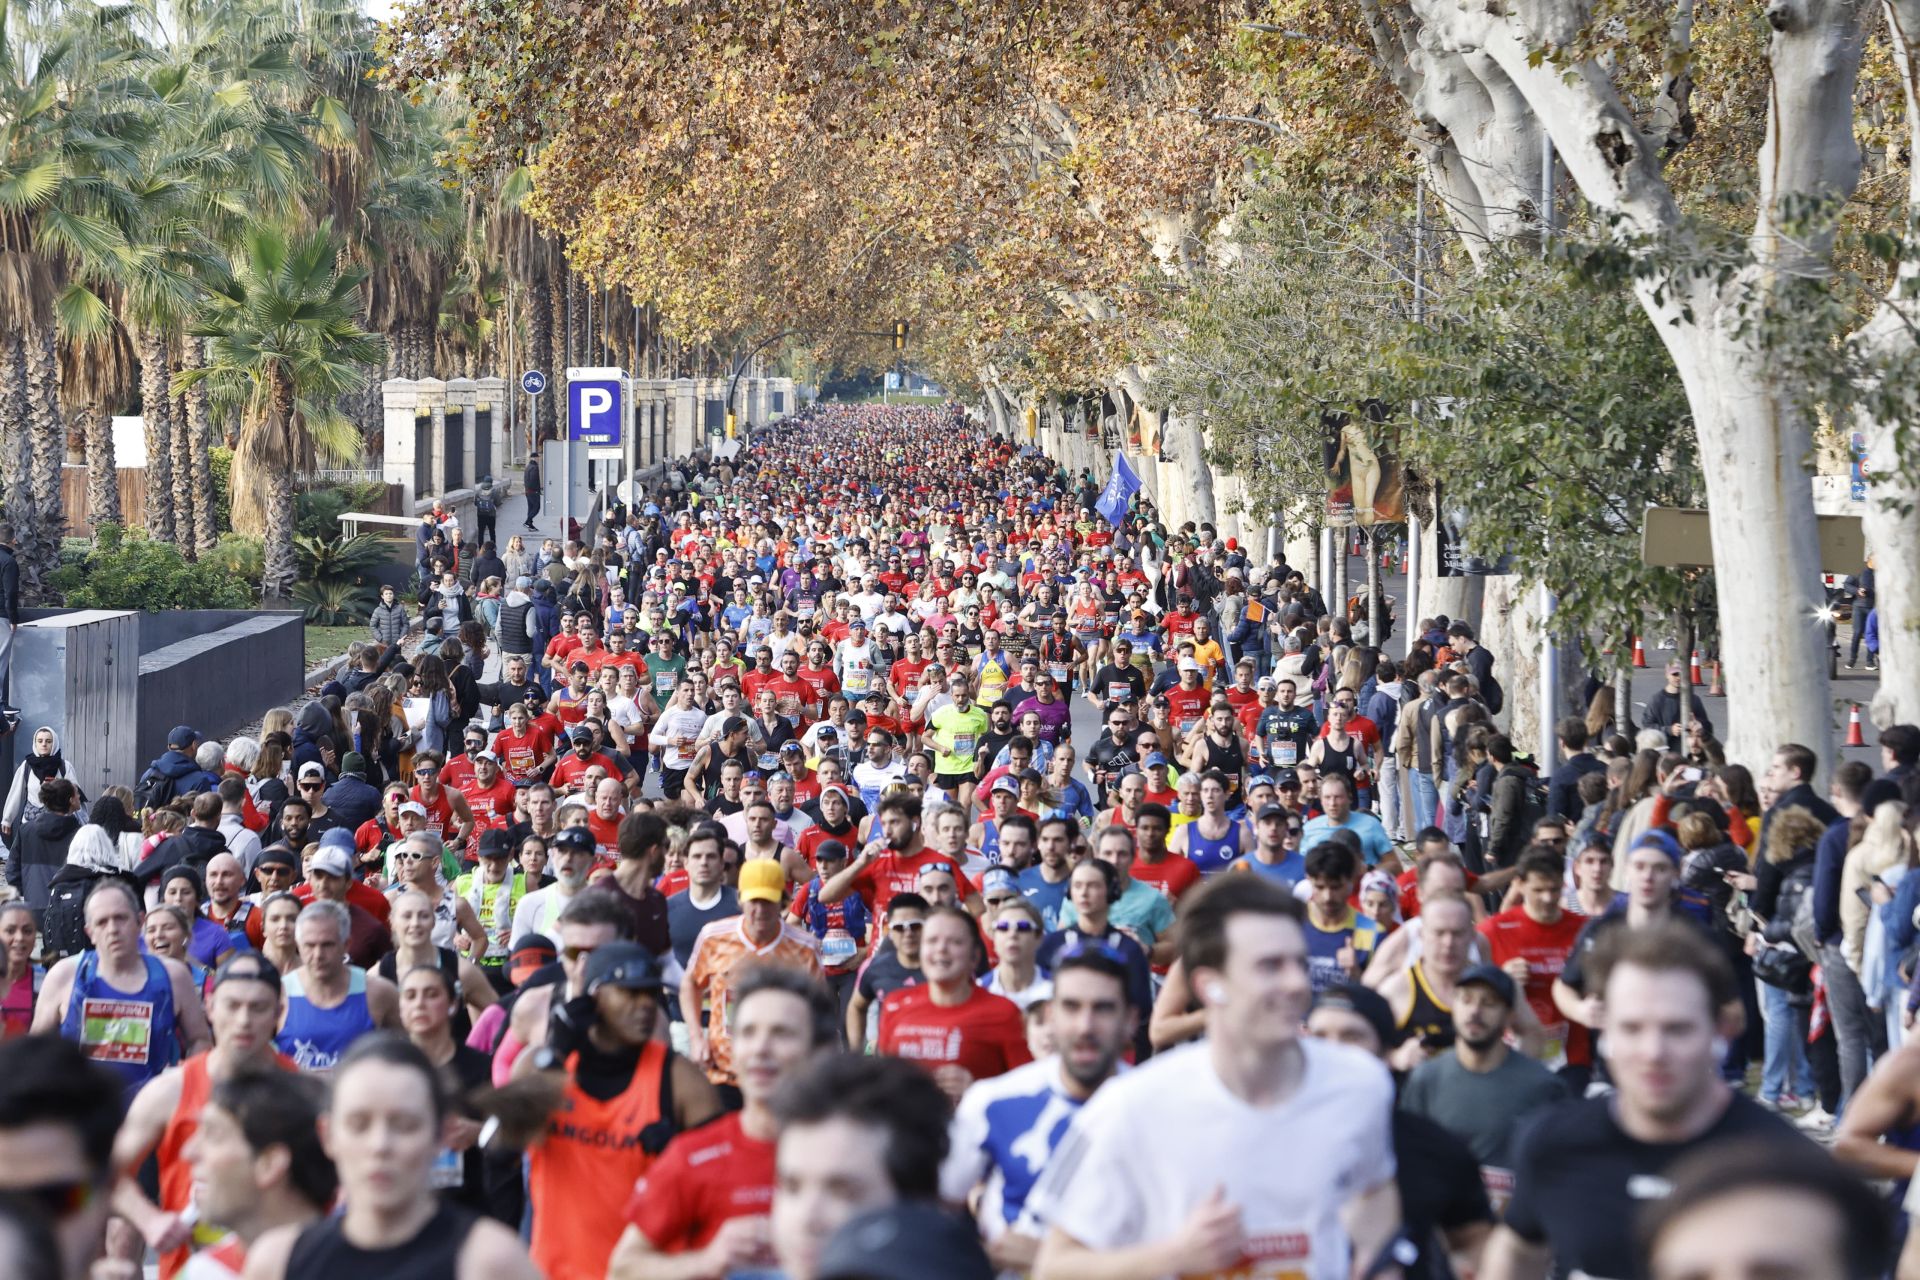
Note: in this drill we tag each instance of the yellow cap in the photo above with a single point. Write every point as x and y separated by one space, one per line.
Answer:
762 880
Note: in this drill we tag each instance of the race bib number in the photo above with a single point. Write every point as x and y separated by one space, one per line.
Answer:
1187 723
1119 691
858 682
448 1170
1059 674
806 608
116 1030
663 682
1287 753
837 948
769 761
963 744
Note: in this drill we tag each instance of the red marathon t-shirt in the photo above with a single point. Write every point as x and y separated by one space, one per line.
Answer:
892 873
705 1177
1514 935
985 1033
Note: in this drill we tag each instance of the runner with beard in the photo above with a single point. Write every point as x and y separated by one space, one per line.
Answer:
891 864
1005 1128
1480 1089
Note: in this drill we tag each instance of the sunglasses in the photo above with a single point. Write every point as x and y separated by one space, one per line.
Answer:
907 926
1013 926
571 954
61 1200
407 855
425 773
310 786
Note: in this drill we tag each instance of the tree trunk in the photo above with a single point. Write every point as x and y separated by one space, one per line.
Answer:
206 525
103 474
183 510
40 544
1765 539
540 325
16 441
281 568
155 407
1892 517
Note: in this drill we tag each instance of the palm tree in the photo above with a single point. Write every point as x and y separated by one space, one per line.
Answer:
65 128
283 341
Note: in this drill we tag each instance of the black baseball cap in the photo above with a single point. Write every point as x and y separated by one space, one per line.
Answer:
496 843
1491 976
622 964
1369 1004
578 839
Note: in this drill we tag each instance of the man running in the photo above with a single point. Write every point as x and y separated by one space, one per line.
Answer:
1005 1129
1172 1169
244 1010
703 1209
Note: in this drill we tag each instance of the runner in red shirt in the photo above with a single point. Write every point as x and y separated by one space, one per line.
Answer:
958 1029
1532 941
525 749
489 796
562 646
1188 701
712 1188
1171 873
447 814
574 765
793 696
607 810
892 863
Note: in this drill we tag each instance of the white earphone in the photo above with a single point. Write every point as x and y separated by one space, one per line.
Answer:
1216 993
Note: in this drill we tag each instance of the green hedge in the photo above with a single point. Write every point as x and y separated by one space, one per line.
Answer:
127 570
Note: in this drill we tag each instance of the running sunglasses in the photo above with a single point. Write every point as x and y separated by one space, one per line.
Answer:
1013 926
1087 947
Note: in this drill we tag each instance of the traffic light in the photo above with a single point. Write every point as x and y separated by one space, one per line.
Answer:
899 335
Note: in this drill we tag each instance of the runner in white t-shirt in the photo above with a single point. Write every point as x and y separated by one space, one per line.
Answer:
1179 1167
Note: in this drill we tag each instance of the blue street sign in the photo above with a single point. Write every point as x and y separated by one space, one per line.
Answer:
533 382
594 412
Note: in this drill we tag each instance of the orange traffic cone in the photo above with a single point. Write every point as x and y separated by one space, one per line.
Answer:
1714 691
1694 668
1854 738
1639 653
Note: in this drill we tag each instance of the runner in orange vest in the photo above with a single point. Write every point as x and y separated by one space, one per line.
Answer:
244 1010
625 1095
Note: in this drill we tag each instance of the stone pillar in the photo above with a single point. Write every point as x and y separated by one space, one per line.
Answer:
431 395
649 406
783 391
397 448
684 426
462 393
492 394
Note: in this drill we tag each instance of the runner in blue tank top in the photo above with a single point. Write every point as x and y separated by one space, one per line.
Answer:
136 1014
330 1003
1212 841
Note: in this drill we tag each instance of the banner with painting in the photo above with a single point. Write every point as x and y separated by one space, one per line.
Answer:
1365 482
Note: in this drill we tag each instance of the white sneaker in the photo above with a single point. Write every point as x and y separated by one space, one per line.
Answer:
1817 1119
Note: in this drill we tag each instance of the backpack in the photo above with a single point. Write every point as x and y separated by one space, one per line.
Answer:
154 791
63 930
483 501
1203 582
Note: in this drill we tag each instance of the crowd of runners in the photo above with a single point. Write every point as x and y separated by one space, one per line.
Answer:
733 897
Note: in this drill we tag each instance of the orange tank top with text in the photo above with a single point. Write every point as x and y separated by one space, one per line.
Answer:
580 1175
176 1171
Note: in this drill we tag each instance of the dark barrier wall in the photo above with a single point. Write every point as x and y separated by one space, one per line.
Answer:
218 670
219 680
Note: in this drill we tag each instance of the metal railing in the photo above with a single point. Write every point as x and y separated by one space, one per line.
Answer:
348 475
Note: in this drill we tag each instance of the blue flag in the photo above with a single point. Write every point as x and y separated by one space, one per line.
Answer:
1119 491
